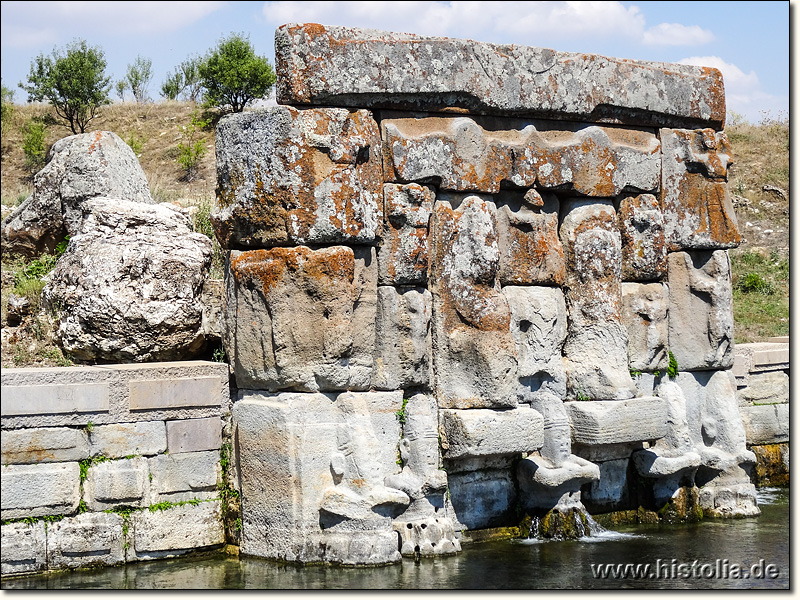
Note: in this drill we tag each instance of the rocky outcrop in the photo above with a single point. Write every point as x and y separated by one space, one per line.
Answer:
80 167
128 286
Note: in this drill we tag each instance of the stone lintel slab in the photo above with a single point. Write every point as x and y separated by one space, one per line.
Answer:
617 421
365 68
486 432
760 356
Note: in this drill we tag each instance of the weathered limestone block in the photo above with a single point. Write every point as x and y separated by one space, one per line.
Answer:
145 438
766 424
85 540
596 347
717 432
312 471
288 176
759 357
611 489
343 66
403 255
402 339
431 536
39 490
24 547
769 387
474 352
701 310
644 248
302 319
117 483
194 435
485 432
462 155
530 250
43 445
617 421
184 476
644 313
128 286
698 211
164 533
81 167
482 497
539 327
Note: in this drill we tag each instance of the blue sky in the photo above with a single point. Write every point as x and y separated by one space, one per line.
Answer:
748 41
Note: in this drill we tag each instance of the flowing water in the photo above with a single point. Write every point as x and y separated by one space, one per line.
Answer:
714 554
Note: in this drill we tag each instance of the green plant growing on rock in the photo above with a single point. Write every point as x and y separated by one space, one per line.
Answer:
672 368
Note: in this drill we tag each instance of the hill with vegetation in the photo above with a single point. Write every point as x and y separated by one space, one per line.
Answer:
162 133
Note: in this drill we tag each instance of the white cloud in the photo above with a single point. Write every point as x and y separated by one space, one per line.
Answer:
675 34
37 22
534 23
743 91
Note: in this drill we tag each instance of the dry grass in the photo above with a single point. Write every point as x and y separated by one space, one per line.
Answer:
154 129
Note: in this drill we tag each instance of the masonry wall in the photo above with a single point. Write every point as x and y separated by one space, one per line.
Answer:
111 464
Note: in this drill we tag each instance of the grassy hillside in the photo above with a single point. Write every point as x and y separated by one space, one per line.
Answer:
759 182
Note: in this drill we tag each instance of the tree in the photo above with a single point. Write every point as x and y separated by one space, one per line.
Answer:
137 79
233 76
73 82
185 80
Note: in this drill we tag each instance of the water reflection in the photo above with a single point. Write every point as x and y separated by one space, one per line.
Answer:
495 565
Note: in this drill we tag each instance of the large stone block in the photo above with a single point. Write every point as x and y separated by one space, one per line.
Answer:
163 533
530 250
39 490
403 254
475 362
768 387
145 438
288 176
85 540
539 327
759 357
644 313
24 548
698 211
116 483
184 476
644 248
363 67
617 421
402 339
194 435
466 154
483 498
67 397
596 347
484 432
43 445
312 468
302 319
765 424
701 310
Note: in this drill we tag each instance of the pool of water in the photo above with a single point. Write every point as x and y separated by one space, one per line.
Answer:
714 554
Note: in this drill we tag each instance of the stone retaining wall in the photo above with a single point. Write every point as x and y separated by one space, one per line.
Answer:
762 381
111 464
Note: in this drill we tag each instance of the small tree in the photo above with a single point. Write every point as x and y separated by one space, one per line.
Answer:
33 146
73 82
233 76
138 78
185 80
7 110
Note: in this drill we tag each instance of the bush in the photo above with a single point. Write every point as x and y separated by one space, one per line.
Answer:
233 76
6 109
33 145
755 283
73 82
191 151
